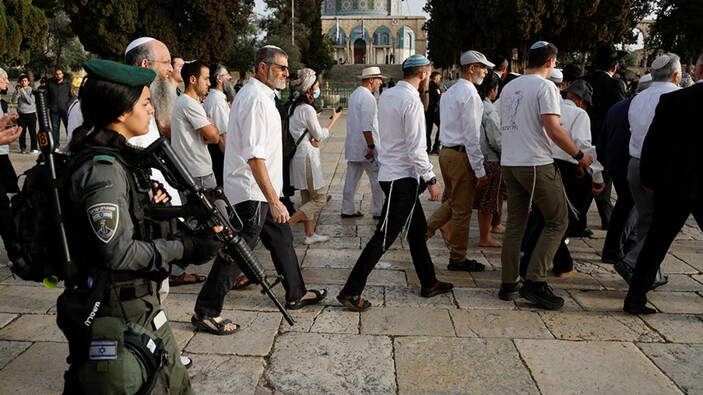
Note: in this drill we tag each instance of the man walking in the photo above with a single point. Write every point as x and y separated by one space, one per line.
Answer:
666 75
461 159
530 110
360 148
58 98
253 181
404 161
432 114
670 166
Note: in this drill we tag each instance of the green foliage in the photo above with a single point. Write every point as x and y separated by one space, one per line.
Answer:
497 26
677 29
243 49
198 29
23 28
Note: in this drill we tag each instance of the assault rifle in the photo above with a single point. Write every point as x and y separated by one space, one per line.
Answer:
202 214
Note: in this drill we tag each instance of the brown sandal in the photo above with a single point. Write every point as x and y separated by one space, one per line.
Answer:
183 279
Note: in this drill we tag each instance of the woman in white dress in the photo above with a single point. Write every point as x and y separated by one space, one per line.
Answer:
305 167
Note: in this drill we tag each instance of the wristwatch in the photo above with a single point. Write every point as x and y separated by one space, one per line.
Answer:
372 146
431 181
578 156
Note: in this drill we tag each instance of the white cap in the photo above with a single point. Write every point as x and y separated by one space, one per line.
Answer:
471 57
138 42
557 76
646 78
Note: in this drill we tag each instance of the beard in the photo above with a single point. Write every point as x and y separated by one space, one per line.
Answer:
163 98
228 89
271 79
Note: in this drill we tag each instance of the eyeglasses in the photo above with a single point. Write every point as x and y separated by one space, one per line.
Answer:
160 61
283 68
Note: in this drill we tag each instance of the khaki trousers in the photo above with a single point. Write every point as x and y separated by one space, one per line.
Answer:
549 197
313 199
460 183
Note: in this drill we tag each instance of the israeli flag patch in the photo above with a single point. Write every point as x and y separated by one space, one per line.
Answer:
103 350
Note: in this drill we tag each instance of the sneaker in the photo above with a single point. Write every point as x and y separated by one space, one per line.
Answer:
437 289
468 265
541 293
23 151
509 291
33 151
187 362
624 271
315 238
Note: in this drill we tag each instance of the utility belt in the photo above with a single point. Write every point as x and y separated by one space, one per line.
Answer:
129 292
459 148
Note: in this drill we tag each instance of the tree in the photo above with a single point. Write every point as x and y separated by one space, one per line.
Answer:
23 28
198 29
243 49
677 29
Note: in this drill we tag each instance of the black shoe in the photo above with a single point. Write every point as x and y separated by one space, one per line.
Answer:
509 291
435 151
468 265
660 283
439 288
582 233
624 271
541 293
611 257
632 309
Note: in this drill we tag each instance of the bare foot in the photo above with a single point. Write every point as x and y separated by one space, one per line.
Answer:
498 229
491 242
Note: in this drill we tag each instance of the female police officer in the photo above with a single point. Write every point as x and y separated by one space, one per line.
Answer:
122 255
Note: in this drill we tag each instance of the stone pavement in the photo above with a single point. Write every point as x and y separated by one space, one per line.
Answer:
467 341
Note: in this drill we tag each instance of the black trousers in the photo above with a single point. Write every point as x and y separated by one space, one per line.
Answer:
8 184
578 191
670 214
401 195
28 122
616 237
277 238
603 202
562 262
431 119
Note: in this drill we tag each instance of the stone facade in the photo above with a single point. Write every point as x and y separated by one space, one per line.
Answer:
387 36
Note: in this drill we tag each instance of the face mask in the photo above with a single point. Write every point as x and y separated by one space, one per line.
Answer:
316 94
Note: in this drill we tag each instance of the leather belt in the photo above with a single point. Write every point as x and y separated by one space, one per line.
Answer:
459 148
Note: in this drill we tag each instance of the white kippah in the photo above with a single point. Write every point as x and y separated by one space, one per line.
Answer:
138 42
661 62
271 46
646 78
557 76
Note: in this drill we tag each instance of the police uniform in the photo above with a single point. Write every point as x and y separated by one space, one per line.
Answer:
115 244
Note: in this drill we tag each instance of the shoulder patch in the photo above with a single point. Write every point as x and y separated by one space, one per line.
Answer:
104 218
104 159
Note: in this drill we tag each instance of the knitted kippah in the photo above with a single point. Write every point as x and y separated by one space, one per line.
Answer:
661 62
415 60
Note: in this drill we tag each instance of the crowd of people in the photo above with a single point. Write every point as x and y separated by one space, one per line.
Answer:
550 141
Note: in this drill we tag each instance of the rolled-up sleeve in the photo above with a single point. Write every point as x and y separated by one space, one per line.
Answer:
415 140
252 127
471 124
368 114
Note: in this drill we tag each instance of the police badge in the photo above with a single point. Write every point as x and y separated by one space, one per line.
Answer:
104 219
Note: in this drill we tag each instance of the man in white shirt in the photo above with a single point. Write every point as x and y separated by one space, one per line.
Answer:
217 110
530 110
666 75
404 161
461 159
191 130
253 182
360 149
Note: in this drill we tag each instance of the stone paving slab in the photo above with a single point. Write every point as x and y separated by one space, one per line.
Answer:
339 276
570 305
459 279
683 363
38 370
397 321
472 298
33 328
410 297
691 258
677 328
20 299
254 338
677 302
564 367
335 361
226 374
674 265
680 282
507 324
6 318
600 300
597 326
430 365
336 320
9 350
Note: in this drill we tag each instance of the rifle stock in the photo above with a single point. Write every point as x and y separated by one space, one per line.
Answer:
201 205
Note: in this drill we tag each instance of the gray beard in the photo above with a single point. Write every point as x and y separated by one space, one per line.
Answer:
228 89
163 98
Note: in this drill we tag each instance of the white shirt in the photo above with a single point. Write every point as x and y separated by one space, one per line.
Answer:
188 143
577 125
461 111
641 113
522 103
305 117
217 109
254 131
402 140
361 117
4 149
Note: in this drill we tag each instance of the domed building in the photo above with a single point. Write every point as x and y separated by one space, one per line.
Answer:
372 31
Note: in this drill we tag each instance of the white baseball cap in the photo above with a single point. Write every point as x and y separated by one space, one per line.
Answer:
471 57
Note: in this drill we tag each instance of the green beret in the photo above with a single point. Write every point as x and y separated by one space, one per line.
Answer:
119 73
